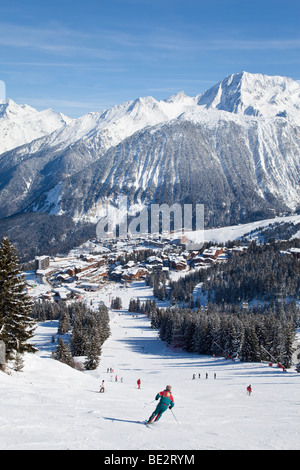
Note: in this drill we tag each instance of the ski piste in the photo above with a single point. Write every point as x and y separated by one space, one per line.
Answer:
255 422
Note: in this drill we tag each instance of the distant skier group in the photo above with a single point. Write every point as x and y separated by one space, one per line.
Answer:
206 376
111 370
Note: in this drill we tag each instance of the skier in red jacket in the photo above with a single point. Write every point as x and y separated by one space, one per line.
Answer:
249 390
139 383
166 401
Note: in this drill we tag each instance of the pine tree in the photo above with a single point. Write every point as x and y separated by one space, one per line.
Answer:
77 339
94 352
250 347
63 353
116 303
64 322
16 323
18 363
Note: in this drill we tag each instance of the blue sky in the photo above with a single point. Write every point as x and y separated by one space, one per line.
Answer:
79 56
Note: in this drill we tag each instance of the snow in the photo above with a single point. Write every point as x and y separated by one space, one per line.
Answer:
21 124
255 95
51 406
271 95
238 97
108 128
234 232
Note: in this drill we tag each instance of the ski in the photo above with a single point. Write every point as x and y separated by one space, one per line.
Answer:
146 423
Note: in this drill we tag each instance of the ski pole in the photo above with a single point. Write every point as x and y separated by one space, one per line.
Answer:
174 415
149 403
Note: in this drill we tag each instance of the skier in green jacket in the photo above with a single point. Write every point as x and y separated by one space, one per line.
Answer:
166 401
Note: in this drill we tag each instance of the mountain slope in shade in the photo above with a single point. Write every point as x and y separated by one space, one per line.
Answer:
237 166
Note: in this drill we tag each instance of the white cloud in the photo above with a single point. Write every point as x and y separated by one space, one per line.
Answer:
2 91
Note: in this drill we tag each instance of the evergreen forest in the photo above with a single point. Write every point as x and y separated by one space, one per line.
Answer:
250 310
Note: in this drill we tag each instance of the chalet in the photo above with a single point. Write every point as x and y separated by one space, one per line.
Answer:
154 260
178 262
202 261
102 272
61 294
71 271
134 273
116 273
80 269
212 252
182 241
199 261
64 277
129 264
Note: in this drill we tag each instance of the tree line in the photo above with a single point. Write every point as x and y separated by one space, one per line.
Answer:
262 272
262 333
88 330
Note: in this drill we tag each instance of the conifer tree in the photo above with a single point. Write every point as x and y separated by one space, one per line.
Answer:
93 356
64 322
16 323
63 353
77 339
18 362
116 303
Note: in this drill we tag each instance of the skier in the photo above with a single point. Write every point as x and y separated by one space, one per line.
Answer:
249 390
139 383
166 401
102 388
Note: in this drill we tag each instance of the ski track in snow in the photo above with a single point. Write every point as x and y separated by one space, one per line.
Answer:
51 406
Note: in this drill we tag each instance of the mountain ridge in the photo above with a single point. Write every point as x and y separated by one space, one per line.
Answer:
236 154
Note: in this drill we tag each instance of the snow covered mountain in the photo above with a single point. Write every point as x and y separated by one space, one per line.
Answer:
105 129
238 167
37 167
242 93
234 148
255 95
21 124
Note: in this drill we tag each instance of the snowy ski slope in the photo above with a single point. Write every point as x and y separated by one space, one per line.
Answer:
51 406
